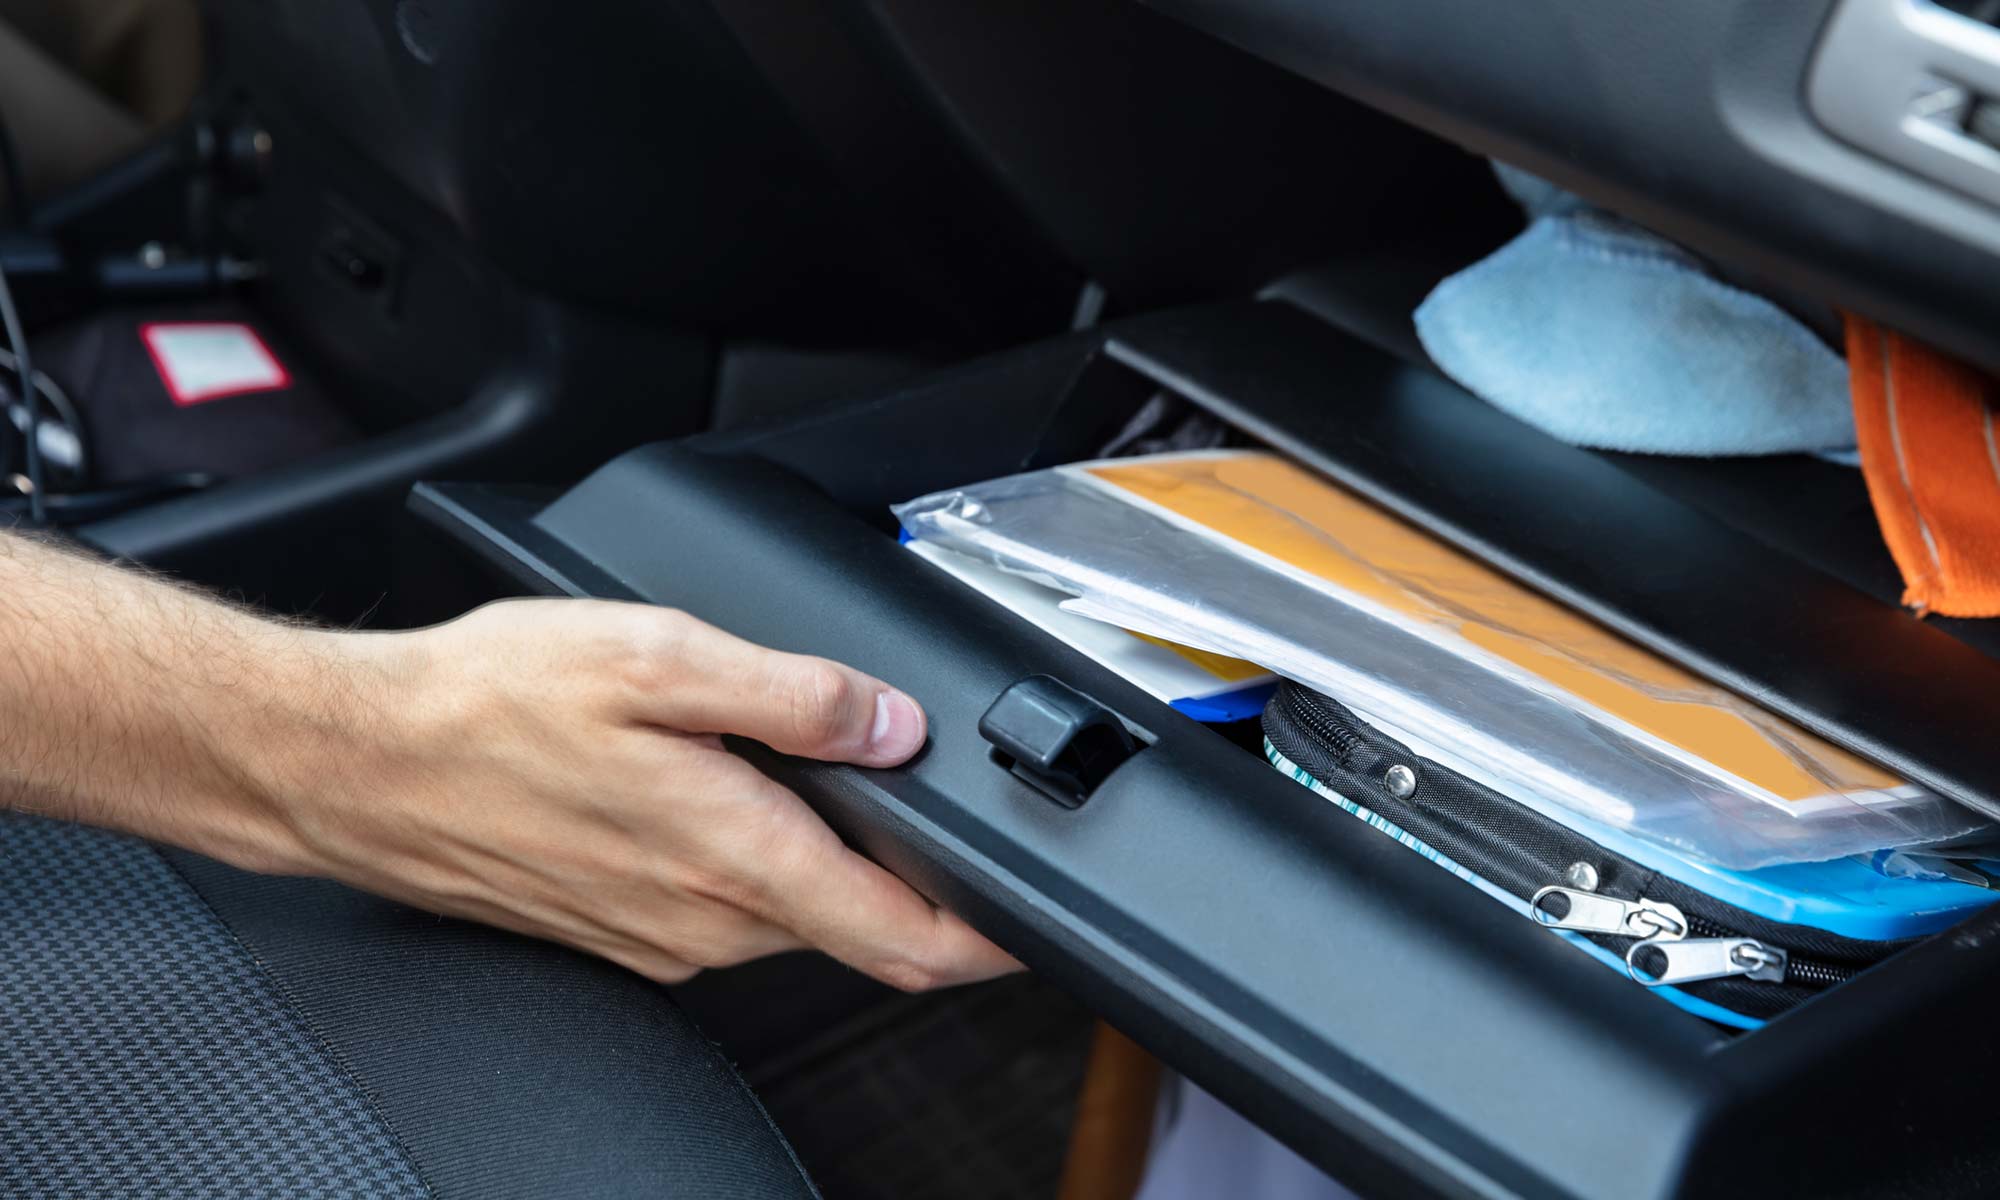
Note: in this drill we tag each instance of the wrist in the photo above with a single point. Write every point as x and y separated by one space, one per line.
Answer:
303 758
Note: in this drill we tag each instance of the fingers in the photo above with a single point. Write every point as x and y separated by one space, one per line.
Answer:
877 924
696 949
860 914
668 944
717 683
766 854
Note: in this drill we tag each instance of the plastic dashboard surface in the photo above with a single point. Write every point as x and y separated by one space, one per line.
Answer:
1692 116
1342 992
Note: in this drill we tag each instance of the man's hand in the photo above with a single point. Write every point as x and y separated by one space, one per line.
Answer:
550 766
554 767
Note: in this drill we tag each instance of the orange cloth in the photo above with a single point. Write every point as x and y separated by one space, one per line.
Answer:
1931 456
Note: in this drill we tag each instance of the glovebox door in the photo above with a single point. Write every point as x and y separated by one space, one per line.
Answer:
1380 1016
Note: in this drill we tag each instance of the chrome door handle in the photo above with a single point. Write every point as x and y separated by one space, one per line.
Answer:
1916 84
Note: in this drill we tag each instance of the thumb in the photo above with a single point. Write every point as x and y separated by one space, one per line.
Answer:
793 703
824 710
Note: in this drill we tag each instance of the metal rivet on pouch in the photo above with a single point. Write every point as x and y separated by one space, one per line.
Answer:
1581 876
1400 780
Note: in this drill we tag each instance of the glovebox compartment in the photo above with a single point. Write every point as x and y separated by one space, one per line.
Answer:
1372 1010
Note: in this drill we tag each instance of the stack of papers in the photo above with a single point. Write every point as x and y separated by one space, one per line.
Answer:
1248 556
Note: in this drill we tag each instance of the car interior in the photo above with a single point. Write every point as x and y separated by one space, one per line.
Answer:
669 301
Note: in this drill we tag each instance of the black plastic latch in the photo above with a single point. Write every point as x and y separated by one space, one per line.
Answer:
1057 738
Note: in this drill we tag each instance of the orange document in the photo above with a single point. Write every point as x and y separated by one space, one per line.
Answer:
1272 506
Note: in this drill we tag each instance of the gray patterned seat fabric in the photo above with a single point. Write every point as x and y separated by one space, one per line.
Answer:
145 1052
150 1048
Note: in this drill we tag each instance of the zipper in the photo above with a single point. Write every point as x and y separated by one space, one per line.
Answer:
1669 930
1338 736
1658 962
1588 912
1707 950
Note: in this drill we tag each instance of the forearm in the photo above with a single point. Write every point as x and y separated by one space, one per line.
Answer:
130 703
552 767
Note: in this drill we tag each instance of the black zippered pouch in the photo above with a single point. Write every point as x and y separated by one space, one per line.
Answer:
1663 932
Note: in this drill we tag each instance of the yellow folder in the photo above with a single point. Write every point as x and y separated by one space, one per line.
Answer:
1274 507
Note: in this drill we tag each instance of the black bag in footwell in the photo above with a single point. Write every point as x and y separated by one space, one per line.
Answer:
195 396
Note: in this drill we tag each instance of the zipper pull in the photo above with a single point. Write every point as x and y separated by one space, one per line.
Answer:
1696 959
1592 913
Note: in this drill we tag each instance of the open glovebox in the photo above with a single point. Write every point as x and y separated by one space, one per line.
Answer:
1372 1011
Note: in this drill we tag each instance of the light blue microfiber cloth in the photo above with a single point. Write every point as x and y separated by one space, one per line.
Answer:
1602 334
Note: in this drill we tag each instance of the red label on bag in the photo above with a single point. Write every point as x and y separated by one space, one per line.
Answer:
207 360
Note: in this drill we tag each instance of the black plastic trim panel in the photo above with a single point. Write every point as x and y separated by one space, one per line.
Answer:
1690 116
